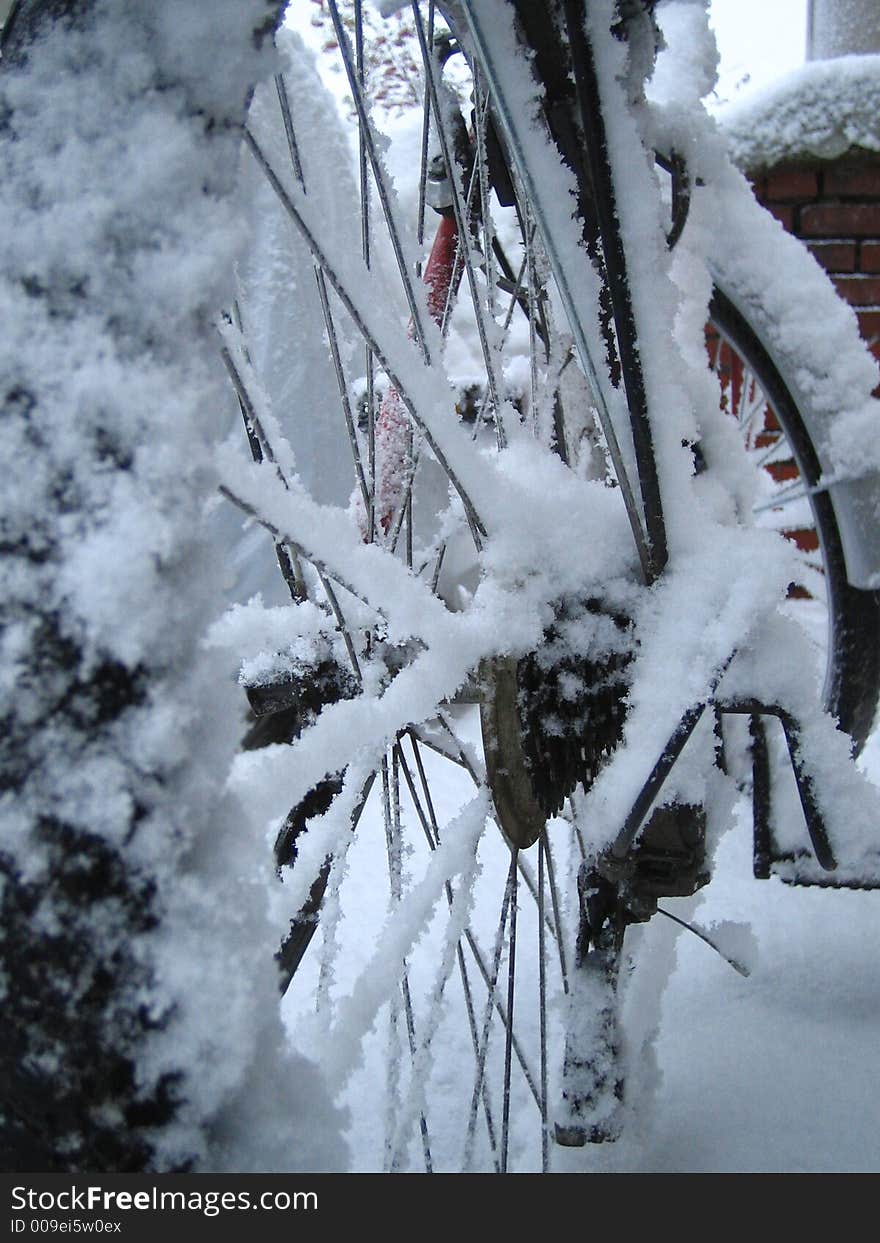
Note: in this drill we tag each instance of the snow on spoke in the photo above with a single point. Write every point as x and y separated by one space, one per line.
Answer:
542 1006
491 980
386 195
357 1012
778 444
394 851
431 830
408 374
366 493
459 914
784 496
511 997
554 901
425 138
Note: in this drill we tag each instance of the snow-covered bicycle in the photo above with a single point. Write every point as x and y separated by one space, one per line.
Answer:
535 592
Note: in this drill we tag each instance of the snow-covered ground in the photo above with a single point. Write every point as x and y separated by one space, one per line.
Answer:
775 1072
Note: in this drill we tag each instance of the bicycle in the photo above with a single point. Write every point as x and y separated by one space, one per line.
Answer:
585 640
405 667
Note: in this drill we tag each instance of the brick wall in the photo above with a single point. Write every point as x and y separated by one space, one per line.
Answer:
835 208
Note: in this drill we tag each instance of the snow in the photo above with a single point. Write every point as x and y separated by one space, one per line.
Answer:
119 237
821 110
687 632
777 286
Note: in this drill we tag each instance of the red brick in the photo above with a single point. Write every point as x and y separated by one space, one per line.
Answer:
859 290
836 256
784 214
782 472
795 185
853 180
840 220
869 325
759 185
806 539
875 350
869 257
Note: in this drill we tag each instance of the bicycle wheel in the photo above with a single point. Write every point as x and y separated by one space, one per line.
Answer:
430 920
421 592
842 620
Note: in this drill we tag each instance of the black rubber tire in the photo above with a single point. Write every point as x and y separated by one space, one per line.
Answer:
852 682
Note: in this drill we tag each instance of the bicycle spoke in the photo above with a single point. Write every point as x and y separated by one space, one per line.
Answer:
331 909
491 981
530 296
534 890
516 288
432 833
385 194
366 493
393 1064
478 530
452 955
481 120
426 132
542 1008
413 1052
495 1001
797 491
363 177
317 562
288 560
778 444
438 566
463 225
287 118
341 623
257 436
511 992
554 901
